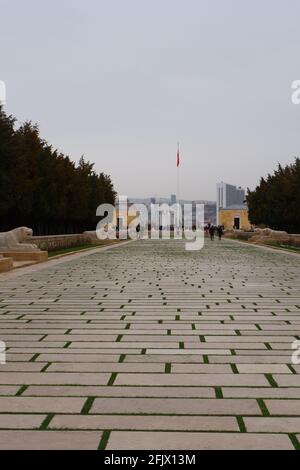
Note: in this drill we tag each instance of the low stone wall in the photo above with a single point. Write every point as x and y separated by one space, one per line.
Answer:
266 237
61 242
238 234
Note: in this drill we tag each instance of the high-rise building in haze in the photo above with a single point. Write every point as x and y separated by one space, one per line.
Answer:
229 196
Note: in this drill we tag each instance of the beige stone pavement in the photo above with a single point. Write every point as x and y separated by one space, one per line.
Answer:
147 346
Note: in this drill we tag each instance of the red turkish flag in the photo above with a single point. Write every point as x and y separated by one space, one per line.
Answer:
178 159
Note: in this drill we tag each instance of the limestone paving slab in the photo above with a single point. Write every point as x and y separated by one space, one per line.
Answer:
115 391
282 424
40 405
180 406
49 440
146 423
29 378
21 421
202 441
232 379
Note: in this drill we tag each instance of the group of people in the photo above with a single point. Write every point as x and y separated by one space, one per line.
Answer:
215 230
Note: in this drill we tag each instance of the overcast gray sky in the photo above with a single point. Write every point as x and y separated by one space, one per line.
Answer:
122 81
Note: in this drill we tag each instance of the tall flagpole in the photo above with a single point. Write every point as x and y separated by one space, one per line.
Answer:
178 189
178 174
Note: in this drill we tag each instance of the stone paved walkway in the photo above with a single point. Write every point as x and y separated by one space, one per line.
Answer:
147 346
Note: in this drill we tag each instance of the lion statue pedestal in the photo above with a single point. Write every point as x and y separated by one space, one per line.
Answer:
6 264
12 246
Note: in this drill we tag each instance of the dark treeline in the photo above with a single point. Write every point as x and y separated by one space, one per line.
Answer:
276 201
42 188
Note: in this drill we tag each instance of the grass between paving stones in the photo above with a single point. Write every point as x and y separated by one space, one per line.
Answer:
46 421
87 405
291 368
21 390
112 379
295 249
295 441
75 249
263 408
241 424
271 380
67 251
34 357
42 338
104 440
46 367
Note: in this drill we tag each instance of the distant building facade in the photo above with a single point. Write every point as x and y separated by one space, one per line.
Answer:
173 199
210 212
235 217
232 211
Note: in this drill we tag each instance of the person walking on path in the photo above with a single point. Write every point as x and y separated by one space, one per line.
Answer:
138 231
220 232
212 232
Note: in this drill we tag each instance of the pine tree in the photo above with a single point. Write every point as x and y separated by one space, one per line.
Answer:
43 188
276 200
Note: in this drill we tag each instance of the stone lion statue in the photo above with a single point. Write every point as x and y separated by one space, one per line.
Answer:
12 240
267 232
269 236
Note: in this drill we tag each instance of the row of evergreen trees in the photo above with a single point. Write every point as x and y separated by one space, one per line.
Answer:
42 188
276 201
